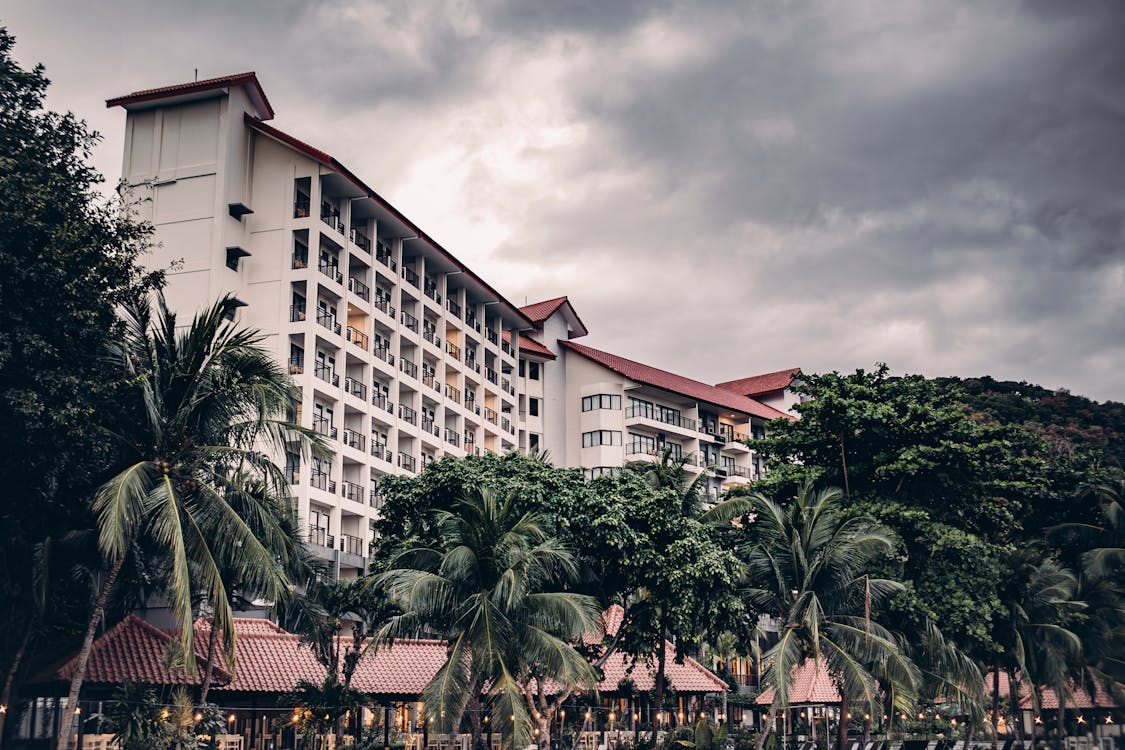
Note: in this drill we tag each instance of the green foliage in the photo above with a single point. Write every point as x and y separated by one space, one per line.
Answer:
134 718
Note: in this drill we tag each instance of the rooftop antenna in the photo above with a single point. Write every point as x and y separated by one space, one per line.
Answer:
197 74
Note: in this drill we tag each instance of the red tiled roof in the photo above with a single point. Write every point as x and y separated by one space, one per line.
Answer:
540 311
194 87
811 684
131 650
676 383
756 385
533 347
1048 700
329 161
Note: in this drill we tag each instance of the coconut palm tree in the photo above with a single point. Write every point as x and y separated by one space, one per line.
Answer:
489 587
809 568
204 409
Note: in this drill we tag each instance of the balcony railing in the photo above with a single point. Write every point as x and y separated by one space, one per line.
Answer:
470 439
658 415
428 426
301 207
320 537
738 471
328 320
408 367
384 354
506 385
332 271
301 260
376 498
356 388
360 289
360 239
452 393
452 437
383 254
410 276
453 350
728 432
320 480
506 424
353 439
380 399
406 414
324 427
332 218
352 545
507 349
491 336
432 292
491 415
648 449
407 461
359 338
293 474
432 337
384 306
296 365
351 491
491 375
296 313
379 450
429 379
409 321
324 372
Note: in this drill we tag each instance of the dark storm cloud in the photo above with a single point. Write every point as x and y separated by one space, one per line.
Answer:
722 188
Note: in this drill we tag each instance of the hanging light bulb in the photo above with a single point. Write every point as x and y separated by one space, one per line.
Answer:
230 719
1038 719
1081 719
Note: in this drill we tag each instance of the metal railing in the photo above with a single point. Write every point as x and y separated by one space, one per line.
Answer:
452 437
491 375
491 415
296 313
407 461
296 365
354 439
383 254
325 373
358 337
429 427
302 207
407 414
380 399
320 537
453 307
408 367
324 427
328 320
360 239
332 219
379 450
384 354
352 545
453 350
383 305
332 271
452 393
431 336
360 289
301 260
491 336
356 388
320 480
410 276
656 414
409 321
728 432
431 291
351 491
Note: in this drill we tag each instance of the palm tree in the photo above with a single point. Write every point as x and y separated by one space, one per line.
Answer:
203 409
488 587
808 568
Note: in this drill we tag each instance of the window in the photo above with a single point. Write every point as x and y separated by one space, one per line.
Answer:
601 437
641 444
603 471
601 401
532 441
522 368
533 407
533 370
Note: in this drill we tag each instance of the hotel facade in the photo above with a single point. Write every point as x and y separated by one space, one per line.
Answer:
402 354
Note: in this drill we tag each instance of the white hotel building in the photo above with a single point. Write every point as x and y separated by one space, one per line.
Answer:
403 355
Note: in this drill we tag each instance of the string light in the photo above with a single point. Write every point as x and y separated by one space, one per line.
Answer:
230 719
164 714
77 710
1109 718
1038 720
1081 719
3 709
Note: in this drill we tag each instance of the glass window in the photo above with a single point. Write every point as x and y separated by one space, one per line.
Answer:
522 368
601 401
601 437
603 471
533 370
533 407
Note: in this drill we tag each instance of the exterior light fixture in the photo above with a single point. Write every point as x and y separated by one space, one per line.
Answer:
199 717
230 719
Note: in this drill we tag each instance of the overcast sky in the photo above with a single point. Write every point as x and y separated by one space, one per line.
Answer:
721 188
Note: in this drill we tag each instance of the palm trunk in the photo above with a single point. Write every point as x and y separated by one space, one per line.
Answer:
84 654
9 680
767 728
996 704
842 727
209 669
658 693
866 729
1061 718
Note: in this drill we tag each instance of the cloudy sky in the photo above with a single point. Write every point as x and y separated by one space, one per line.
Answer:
720 188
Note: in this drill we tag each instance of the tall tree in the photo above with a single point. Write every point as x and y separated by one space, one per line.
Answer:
68 256
205 406
810 568
490 588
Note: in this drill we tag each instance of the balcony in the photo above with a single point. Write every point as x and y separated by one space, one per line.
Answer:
296 365
360 289
376 498
352 545
429 427
410 276
384 306
321 481
381 400
384 354
379 450
507 349
293 474
356 388
302 207
406 414
331 217
328 320
352 491
473 365
359 338
324 372
408 367
320 537
408 462
728 432
383 254
491 415
300 260
506 424
664 416
432 292
332 271
324 427
491 375
409 321
429 379
431 336
507 386
453 350
454 308
296 313
471 320
470 440
453 394
353 439
452 437
738 471
360 239
492 336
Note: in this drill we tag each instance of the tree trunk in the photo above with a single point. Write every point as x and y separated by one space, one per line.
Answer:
767 728
996 704
1061 718
842 727
84 654
866 729
658 693
474 708
209 669
9 680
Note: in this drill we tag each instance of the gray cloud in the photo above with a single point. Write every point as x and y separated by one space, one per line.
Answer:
721 188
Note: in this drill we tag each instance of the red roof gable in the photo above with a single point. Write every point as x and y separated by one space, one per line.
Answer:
1049 701
689 677
811 684
756 385
534 348
197 87
540 311
131 650
676 383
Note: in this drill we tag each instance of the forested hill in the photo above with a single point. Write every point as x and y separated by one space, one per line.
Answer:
1069 423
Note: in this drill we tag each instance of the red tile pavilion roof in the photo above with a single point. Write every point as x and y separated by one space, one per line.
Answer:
668 381
756 385
811 684
1049 701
